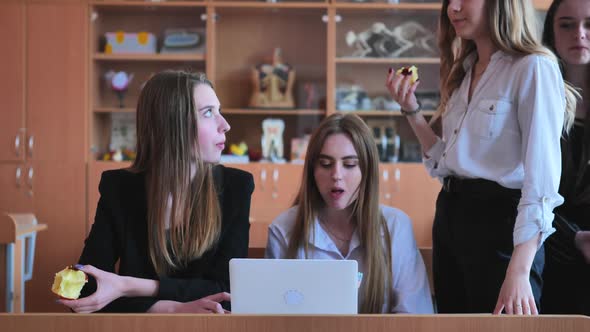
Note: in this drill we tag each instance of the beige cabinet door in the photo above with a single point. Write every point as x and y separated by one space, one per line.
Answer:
15 194
276 187
12 84
55 120
56 82
279 184
416 195
388 183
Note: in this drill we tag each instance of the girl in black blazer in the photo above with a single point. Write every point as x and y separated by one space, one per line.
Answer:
174 219
567 268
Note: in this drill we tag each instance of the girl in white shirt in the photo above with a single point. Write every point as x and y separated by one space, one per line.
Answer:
503 105
337 216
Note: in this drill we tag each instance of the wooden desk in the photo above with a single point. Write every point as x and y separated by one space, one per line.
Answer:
229 323
18 232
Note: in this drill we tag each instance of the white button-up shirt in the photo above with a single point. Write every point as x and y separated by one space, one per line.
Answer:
410 281
509 133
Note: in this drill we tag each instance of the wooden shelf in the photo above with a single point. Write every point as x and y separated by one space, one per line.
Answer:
378 61
384 113
119 3
399 6
113 110
270 5
149 57
273 112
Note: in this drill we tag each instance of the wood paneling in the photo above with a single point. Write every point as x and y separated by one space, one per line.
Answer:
12 84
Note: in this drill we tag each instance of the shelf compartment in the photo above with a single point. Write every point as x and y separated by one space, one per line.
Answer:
104 98
132 18
247 127
357 28
242 42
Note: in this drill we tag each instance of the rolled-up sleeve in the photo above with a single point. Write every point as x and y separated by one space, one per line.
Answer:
541 106
432 156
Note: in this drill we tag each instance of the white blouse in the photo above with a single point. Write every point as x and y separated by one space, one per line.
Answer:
410 281
509 133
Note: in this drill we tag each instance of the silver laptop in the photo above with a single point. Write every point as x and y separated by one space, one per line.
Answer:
293 286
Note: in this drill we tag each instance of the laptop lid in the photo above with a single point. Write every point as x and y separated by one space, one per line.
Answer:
293 286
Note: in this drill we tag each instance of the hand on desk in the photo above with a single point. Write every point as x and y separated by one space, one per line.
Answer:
109 287
516 296
582 241
207 305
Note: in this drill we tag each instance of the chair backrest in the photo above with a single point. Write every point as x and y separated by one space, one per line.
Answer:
427 258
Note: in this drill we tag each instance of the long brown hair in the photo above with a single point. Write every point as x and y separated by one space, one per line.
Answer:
371 225
513 30
167 149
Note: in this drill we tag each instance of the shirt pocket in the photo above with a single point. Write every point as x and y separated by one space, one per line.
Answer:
491 117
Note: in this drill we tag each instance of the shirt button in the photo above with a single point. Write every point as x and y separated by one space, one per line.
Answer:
456 131
444 154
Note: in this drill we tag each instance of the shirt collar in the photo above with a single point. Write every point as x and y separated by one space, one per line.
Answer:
322 240
470 59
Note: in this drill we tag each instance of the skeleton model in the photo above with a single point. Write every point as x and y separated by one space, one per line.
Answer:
380 42
272 139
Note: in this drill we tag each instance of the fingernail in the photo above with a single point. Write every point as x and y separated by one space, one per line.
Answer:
79 266
390 70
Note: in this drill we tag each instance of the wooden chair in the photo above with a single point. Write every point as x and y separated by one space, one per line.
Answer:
18 232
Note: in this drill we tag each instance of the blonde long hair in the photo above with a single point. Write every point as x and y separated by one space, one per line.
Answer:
366 213
166 143
513 30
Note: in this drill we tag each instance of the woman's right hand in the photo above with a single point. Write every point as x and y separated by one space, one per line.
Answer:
206 305
110 287
402 90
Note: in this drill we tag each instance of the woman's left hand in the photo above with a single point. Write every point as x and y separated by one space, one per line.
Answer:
109 287
516 296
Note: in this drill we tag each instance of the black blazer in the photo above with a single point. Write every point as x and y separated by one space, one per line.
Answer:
119 233
574 214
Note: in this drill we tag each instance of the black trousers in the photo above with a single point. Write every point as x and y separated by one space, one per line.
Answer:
472 245
566 289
